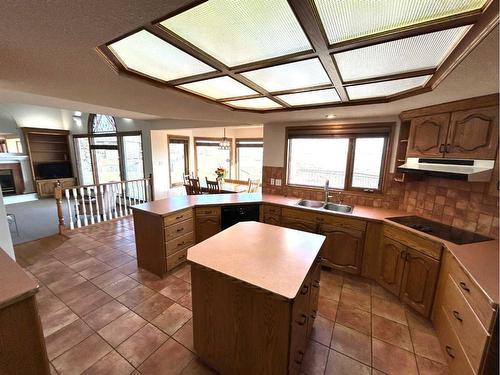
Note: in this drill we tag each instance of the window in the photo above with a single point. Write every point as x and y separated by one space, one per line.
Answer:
249 159
105 155
209 157
178 156
350 158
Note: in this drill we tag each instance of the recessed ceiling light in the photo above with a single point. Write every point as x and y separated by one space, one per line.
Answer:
77 113
331 116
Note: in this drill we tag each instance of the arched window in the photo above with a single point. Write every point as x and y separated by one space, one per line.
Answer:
101 124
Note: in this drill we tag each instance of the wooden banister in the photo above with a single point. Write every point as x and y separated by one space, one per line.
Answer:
58 195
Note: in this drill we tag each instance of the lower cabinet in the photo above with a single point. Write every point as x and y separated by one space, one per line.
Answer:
343 248
207 223
293 223
409 274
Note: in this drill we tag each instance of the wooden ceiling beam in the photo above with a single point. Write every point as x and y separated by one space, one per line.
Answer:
309 20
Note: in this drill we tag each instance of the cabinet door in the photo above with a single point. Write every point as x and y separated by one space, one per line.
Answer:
391 265
428 135
419 281
314 298
306 226
343 248
271 219
473 134
206 227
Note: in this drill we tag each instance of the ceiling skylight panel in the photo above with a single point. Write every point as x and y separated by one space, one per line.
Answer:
351 19
145 53
256 103
399 56
311 97
219 88
296 75
238 32
387 88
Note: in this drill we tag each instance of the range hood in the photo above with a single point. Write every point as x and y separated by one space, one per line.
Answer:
458 169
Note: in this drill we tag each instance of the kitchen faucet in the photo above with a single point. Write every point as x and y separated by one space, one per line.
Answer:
327 183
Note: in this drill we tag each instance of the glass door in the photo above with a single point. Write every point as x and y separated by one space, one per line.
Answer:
178 156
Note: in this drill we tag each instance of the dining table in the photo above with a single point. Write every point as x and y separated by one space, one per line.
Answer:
226 187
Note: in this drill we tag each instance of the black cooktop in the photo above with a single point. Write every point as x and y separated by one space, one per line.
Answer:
443 231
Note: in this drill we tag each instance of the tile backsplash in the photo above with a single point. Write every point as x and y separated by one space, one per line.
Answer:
465 205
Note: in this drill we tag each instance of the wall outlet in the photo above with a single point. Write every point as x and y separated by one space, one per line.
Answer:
278 182
272 181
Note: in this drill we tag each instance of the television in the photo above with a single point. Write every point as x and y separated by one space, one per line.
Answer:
46 171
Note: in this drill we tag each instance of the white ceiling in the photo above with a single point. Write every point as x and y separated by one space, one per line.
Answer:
48 58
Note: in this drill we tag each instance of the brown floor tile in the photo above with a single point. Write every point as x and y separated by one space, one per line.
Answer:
355 319
116 259
331 277
355 298
153 306
314 362
352 343
89 303
82 356
428 367
77 292
105 314
171 358
66 283
327 308
389 309
185 335
172 319
53 322
108 278
417 322
357 283
100 251
391 332
322 330
392 360
121 286
95 270
339 364
128 268
66 338
196 367
330 291
48 304
186 301
141 344
427 345
175 288
122 328
135 296
183 273
111 364
84 264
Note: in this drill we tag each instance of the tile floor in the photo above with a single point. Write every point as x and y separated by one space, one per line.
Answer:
102 315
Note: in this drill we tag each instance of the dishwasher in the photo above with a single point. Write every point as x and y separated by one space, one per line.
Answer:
231 215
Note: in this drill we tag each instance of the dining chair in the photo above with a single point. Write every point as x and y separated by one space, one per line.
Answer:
253 186
195 184
189 189
212 186
186 179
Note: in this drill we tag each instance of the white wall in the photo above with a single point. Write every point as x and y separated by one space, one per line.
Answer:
5 238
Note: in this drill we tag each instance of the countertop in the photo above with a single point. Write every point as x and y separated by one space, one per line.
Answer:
15 284
481 260
272 258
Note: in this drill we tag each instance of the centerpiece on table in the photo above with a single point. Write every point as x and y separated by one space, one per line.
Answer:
221 174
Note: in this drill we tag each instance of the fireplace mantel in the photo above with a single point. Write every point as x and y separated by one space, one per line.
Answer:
17 174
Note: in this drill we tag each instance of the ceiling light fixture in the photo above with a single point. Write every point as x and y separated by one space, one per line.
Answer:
225 143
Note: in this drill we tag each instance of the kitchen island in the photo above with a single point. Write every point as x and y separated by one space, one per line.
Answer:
255 293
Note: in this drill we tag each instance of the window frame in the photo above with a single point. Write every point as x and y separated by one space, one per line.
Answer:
178 139
237 155
231 148
350 131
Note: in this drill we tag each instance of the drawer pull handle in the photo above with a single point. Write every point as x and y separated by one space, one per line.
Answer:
448 351
179 230
300 359
179 217
464 286
181 243
182 256
456 314
304 290
314 314
403 254
303 320
315 284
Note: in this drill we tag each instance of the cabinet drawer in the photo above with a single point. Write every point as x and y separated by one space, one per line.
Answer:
465 323
179 243
476 298
271 210
179 229
424 245
271 219
319 217
208 211
177 258
177 217
293 223
455 356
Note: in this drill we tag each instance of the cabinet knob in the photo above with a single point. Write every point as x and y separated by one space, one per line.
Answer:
305 289
464 286
300 357
456 314
448 351
302 320
403 254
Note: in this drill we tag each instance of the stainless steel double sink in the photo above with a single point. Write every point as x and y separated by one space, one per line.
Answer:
336 207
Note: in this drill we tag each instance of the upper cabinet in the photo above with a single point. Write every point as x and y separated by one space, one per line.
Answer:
466 129
428 135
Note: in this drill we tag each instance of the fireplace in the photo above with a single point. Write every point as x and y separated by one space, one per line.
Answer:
11 178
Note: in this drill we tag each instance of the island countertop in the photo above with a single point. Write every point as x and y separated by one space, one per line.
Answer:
272 258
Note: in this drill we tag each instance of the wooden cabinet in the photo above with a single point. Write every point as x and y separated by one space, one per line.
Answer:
391 265
207 222
409 274
428 135
45 188
271 214
304 225
343 248
473 134
419 281
468 134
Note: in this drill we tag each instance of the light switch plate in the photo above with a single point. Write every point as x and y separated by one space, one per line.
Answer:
272 181
278 182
